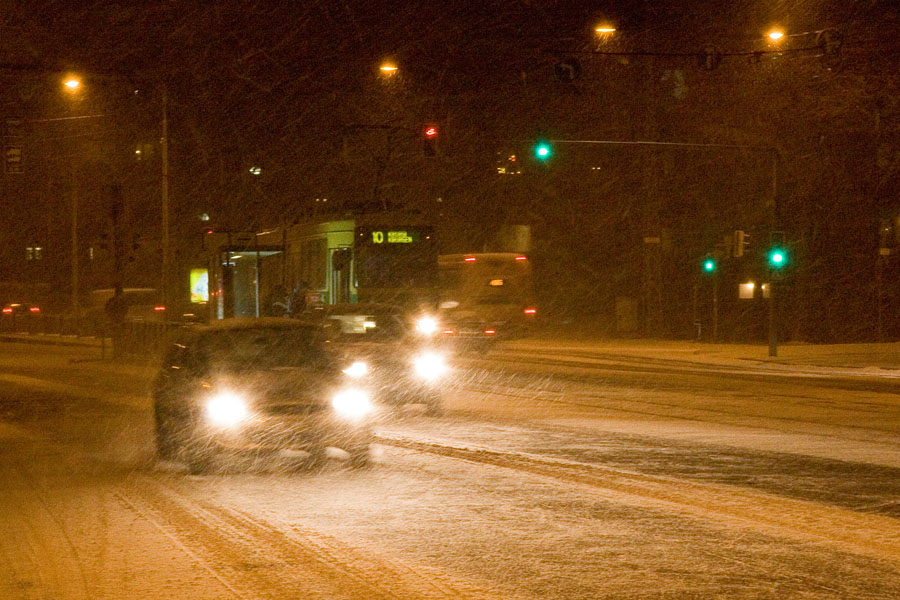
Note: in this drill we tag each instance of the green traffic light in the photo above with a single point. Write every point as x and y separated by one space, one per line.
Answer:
709 265
777 258
543 151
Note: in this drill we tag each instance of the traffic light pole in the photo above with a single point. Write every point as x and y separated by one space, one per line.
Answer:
773 305
773 321
715 307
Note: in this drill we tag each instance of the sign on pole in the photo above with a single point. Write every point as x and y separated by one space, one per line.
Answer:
13 159
13 146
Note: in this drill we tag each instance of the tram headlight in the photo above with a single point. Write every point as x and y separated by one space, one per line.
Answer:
356 370
427 325
352 403
226 409
430 366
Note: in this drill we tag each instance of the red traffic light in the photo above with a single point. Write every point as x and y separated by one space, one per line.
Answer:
430 131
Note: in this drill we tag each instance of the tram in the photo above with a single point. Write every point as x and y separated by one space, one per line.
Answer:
388 258
486 295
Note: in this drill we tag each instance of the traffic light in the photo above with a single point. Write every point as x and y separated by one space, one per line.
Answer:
778 258
740 243
543 151
429 140
709 265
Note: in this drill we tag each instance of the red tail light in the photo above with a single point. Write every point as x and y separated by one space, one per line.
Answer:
521 258
449 332
7 310
469 259
159 308
490 331
530 311
35 309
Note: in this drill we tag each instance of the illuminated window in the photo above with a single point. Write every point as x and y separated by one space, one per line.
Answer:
34 253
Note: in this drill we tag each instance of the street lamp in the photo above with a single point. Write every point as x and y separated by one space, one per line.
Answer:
72 86
776 35
388 69
604 29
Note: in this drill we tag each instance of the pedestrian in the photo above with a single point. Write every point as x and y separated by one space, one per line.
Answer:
298 298
277 303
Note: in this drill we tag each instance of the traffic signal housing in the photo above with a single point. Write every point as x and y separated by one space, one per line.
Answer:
740 243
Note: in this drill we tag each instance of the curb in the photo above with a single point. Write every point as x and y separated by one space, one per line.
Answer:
53 340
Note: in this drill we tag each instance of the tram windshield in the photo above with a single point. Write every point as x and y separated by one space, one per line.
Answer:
395 257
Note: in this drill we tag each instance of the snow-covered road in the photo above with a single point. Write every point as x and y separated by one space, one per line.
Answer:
539 482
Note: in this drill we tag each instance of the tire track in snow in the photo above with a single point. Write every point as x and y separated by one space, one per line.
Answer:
873 536
697 414
37 542
257 559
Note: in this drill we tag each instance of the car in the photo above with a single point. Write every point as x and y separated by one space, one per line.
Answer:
383 345
15 315
261 387
20 309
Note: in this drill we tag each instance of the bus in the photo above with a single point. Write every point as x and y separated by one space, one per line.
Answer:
388 258
486 295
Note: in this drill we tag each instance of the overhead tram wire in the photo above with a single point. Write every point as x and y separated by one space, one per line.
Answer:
747 53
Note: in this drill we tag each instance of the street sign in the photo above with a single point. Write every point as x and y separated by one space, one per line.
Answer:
14 128
13 159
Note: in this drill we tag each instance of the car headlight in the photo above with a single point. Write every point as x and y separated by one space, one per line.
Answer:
427 325
226 409
430 366
357 369
352 403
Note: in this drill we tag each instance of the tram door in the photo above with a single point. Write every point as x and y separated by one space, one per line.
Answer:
340 274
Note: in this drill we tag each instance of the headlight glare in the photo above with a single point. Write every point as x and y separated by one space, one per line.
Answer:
430 366
427 325
357 369
226 409
352 403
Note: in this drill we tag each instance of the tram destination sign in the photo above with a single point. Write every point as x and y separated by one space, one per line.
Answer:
394 236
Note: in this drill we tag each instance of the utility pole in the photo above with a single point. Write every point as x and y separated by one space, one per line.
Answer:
651 272
75 291
164 153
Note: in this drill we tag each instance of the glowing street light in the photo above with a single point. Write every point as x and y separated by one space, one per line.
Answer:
604 29
72 84
776 35
388 69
